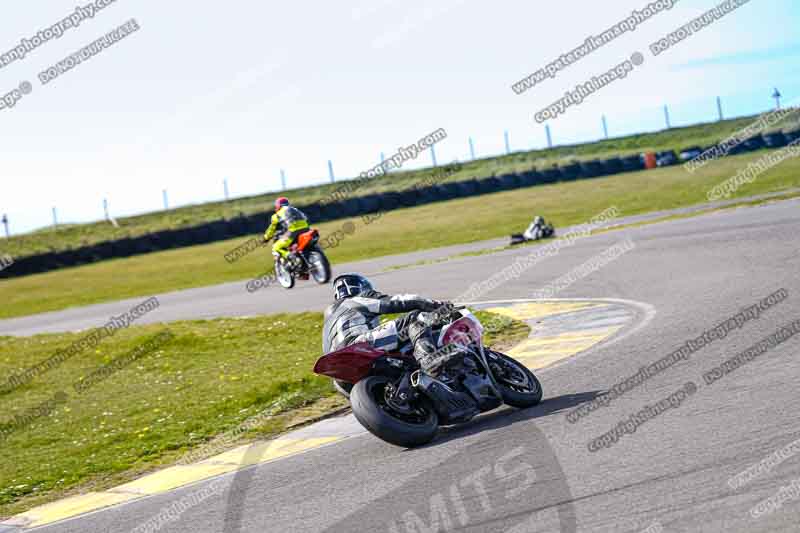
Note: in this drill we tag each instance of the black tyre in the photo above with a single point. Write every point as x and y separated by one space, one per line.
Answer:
518 385
371 410
320 267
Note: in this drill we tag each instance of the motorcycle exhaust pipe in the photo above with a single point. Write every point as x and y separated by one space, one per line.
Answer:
451 406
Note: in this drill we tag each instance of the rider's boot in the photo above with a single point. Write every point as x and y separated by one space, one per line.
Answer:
431 358
424 345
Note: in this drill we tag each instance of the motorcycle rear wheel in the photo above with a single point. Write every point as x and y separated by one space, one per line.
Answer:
319 266
372 412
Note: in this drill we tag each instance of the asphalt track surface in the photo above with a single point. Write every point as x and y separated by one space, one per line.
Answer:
232 299
531 470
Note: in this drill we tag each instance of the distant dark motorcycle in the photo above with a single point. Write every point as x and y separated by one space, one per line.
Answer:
397 402
306 258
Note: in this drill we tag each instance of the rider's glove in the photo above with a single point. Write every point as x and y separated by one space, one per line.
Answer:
433 306
443 311
446 307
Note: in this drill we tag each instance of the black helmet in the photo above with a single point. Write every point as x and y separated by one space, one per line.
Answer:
349 285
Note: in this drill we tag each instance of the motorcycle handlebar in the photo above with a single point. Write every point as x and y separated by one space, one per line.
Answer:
446 312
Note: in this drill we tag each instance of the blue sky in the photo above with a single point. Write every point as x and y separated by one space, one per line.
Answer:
238 90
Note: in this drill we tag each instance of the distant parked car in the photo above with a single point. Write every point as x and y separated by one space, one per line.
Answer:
687 154
666 158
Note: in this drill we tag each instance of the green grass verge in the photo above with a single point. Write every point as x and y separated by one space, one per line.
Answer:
73 236
207 379
405 230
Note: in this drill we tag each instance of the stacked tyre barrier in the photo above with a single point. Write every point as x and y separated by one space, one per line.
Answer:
249 225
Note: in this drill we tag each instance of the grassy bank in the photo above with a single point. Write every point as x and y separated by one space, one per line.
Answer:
404 230
206 378
72 236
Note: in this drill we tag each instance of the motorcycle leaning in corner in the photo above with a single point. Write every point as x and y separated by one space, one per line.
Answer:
399 403
538 229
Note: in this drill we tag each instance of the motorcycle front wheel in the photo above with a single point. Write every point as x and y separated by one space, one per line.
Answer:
282 274
368 399
518 385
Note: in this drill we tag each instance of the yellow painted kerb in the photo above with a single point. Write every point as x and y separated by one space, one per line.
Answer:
541 349
534 310
68 507
536 352
168 479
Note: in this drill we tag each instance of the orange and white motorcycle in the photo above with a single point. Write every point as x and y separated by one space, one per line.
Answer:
306 259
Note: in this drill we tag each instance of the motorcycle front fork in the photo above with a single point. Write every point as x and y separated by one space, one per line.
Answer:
294 266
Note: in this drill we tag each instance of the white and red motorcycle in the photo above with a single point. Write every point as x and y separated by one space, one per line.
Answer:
399 403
